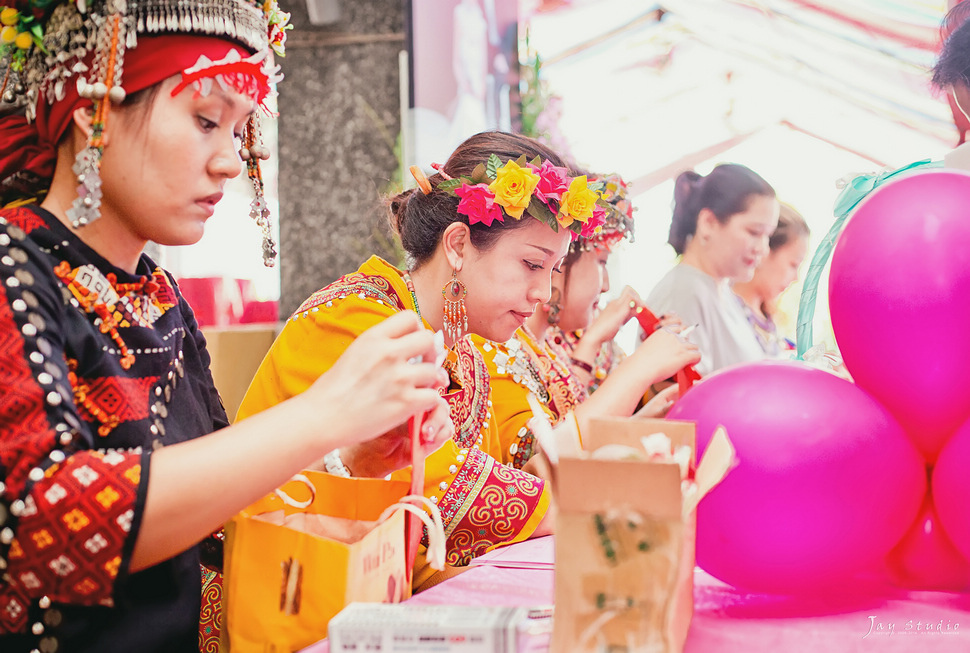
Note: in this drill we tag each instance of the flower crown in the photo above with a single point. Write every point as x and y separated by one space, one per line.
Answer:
619 220
544 191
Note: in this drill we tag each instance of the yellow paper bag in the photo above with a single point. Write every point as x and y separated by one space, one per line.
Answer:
298 556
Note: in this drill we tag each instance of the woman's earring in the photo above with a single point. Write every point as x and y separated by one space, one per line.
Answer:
106 90
455 320
553 307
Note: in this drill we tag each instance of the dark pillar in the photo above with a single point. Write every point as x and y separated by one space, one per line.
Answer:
339 119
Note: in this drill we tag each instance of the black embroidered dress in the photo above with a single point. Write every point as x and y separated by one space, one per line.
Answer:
98 368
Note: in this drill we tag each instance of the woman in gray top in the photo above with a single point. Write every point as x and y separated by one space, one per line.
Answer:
721 225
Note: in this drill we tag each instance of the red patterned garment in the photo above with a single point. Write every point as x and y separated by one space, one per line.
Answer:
483 502
98 367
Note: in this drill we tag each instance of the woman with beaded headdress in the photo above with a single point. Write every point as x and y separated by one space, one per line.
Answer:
552 354
124 121
483 236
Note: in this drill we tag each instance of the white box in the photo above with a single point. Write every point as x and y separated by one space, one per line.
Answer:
405 628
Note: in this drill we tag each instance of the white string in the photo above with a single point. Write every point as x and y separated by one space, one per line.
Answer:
293 503
436 529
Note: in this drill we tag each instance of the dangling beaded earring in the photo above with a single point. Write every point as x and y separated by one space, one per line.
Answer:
252 152
107 66
455 320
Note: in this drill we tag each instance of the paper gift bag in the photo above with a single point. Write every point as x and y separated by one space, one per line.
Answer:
625 535
295 558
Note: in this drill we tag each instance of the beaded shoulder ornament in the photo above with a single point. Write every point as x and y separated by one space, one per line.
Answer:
46 43
496 190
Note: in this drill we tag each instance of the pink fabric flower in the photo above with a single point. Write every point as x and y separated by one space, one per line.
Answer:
478 203
593 225
553 181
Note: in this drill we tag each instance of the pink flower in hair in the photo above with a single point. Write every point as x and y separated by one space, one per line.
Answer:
478 203
553 181
594 224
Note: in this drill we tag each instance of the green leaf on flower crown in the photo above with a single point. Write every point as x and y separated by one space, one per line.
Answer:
538 209
537 162
479 175
596 185
491 169
449 185
521 161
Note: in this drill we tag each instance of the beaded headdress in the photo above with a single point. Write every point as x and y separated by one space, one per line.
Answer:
618 223
496 190
57 51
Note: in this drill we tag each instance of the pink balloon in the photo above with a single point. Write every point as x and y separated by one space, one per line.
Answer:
826 484
898 294
951 488
925 559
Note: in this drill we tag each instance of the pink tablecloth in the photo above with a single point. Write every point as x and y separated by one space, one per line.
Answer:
729 621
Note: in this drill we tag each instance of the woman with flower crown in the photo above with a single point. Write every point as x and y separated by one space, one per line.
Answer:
553 353
106 487
483 237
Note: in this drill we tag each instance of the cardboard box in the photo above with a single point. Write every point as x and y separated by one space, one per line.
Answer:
236 353
625 536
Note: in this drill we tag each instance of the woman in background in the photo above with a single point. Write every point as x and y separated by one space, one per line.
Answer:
721 225
787 247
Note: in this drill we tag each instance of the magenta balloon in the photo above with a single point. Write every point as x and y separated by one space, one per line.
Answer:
899 295
826 484
951 488
925 559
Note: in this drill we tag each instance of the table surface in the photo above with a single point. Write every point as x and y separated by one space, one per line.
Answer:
727 620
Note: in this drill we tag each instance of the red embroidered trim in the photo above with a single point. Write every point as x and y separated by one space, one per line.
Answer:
27 436
23 218
71 533
111 400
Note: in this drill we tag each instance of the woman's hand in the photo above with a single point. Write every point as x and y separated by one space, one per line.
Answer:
664 353
392 451
607 324
375 385
660 404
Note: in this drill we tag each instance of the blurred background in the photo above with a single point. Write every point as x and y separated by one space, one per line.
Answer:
804 92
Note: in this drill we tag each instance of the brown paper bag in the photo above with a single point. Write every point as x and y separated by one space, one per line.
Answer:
624 545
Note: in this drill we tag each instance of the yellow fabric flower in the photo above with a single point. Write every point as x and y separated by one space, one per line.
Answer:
9 16
513 188
23 40
577 202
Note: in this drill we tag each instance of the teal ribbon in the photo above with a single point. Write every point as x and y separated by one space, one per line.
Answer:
850 197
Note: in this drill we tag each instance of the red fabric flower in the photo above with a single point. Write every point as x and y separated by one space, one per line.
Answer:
478 203
553 181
